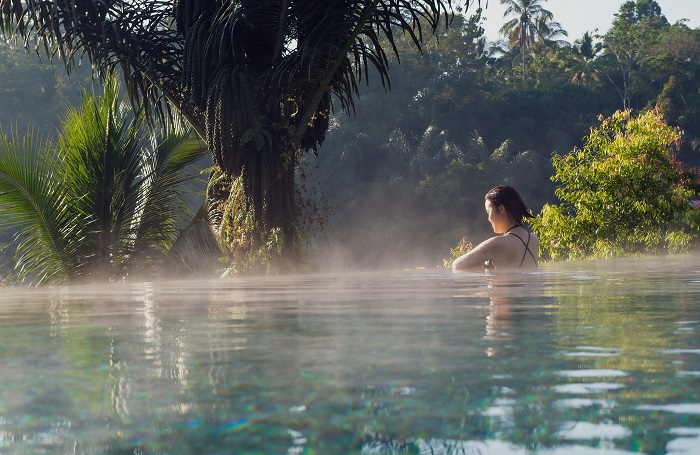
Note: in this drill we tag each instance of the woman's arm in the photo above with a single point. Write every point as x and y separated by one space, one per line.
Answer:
476 257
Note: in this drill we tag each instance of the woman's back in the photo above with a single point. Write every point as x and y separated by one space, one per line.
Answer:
515 248
523 249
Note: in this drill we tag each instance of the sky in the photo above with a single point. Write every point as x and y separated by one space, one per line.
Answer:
579 16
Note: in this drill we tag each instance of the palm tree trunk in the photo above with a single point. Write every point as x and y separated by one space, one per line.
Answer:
268 178
262 205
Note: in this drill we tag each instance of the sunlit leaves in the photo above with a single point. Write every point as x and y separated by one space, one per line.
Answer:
102 201
622 193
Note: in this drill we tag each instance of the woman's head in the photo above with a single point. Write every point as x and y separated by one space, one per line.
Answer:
511 201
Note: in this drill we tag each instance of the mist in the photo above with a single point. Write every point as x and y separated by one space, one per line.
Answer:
402 179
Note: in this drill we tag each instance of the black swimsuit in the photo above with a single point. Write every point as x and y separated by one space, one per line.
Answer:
527 248
488 266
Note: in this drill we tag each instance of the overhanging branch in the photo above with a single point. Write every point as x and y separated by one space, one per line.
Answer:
310 111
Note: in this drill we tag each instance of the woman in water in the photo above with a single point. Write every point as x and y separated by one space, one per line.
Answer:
515 248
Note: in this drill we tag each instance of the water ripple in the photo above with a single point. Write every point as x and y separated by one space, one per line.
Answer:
681 408
581 388
591 373
579 403
594 351
680 351
587 430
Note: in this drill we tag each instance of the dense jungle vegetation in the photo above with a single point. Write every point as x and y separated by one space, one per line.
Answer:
402 180
406 175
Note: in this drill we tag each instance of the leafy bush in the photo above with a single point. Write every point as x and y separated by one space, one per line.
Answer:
623 193
463 247
100 202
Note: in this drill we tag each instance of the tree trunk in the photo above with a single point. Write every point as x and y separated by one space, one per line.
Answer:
268 179
259 216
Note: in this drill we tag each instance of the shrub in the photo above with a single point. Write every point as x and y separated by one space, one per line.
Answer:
623 193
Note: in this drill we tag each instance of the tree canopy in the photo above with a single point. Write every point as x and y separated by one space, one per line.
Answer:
102 201
254 78
623 193
461 117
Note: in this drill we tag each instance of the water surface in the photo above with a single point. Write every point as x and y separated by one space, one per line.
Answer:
577 358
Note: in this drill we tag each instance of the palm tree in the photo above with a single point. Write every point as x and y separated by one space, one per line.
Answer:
585 51
99 202
523 30
254 78
587 47
549 35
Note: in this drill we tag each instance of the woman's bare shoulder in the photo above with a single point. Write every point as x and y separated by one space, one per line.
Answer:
483 252
497 242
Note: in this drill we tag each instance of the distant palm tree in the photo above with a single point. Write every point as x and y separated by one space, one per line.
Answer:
585 51
100 202
549 35
587 48
503 55
523 29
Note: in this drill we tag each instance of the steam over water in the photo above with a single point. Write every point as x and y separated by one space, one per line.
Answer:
577 358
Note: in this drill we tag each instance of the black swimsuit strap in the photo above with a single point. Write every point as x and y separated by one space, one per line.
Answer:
511 228
527 248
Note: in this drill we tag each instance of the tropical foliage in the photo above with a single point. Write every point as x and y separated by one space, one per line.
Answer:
102 201
254 78
463 247
406 175
622 193
532 27
409 171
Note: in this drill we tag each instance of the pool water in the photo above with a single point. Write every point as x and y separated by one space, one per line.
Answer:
597 357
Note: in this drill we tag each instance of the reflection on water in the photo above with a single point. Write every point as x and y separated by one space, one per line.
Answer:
577 358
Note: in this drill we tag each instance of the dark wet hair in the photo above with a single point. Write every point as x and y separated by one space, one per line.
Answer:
510 199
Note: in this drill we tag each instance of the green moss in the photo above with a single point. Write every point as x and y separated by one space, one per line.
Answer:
251 248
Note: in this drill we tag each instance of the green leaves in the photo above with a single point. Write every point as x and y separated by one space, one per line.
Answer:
258 135
33 204
623 193
102 201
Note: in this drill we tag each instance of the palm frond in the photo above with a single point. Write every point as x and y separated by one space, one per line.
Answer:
328 45
164 170
135 36
35 205
100 147
195 253
100 197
